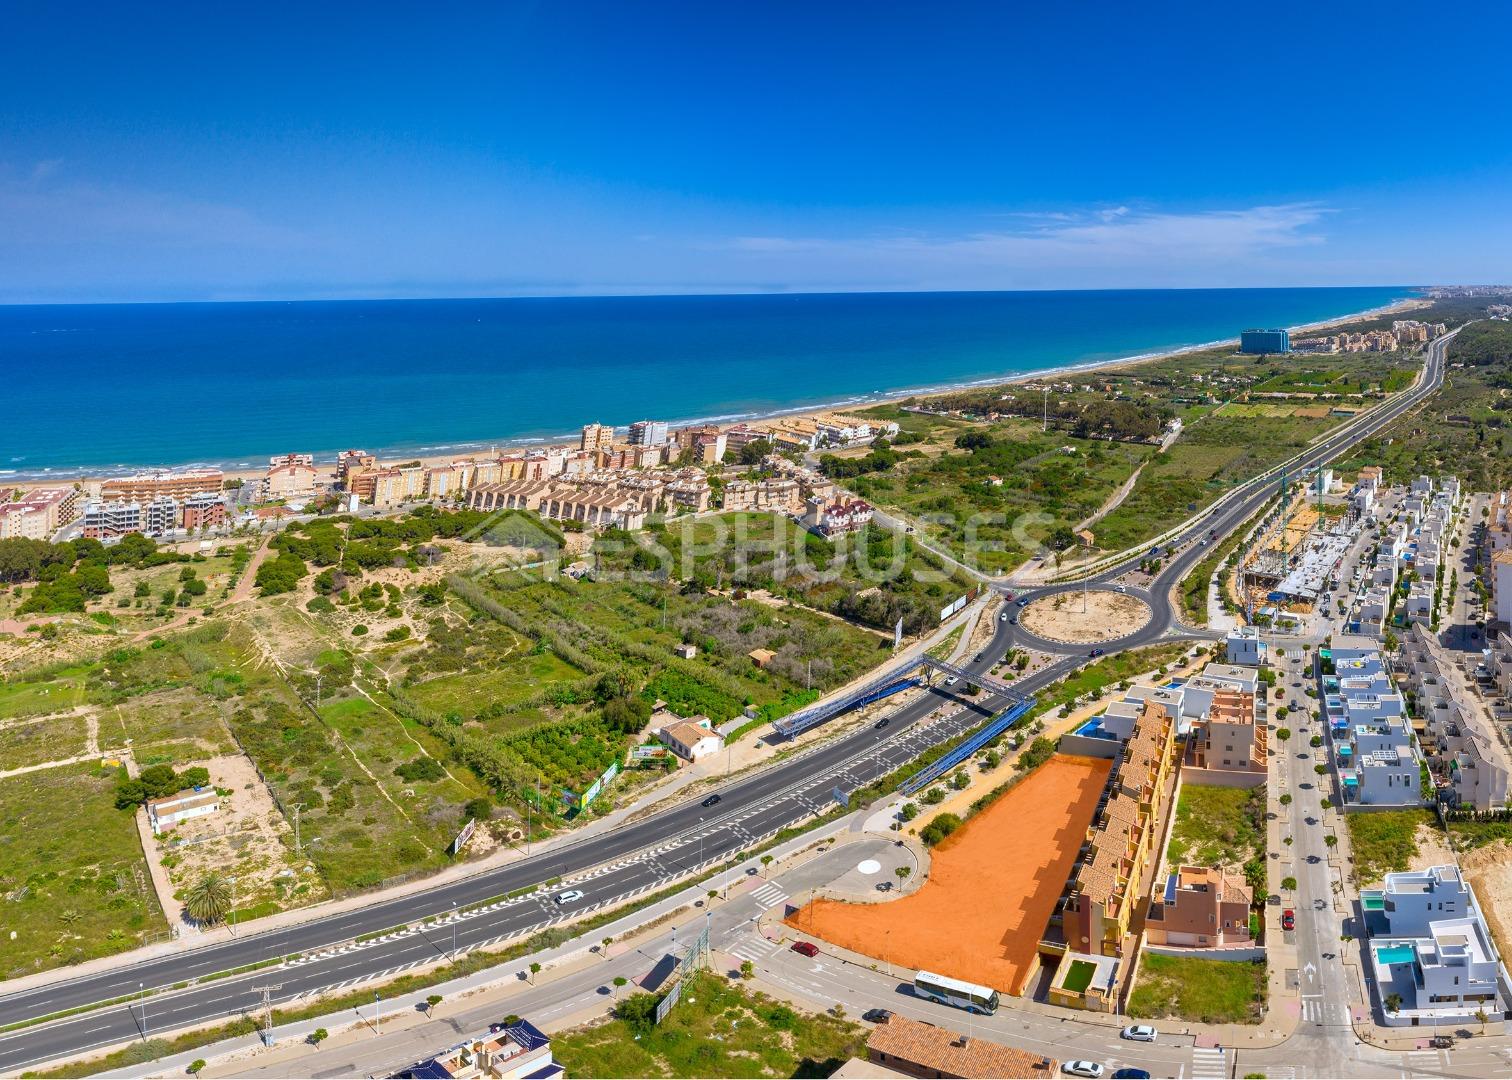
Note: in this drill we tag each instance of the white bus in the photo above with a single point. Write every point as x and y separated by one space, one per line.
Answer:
962 995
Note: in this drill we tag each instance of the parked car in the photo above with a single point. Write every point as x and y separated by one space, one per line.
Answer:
1139 1033
1288 919
1131 1074
877 1016
805 948
571 896
1093 1070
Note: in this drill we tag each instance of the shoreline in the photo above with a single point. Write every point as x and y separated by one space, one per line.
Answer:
441 454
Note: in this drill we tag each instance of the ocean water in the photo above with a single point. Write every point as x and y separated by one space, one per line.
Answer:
109 387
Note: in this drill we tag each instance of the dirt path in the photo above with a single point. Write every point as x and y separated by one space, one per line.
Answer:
1111 503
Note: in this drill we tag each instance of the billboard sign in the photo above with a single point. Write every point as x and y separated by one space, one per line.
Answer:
464 836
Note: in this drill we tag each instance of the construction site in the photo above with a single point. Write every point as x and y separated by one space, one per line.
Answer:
1291 563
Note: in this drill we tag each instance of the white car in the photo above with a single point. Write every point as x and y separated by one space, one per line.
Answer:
1139 1033
951 681
1091 1069
1121 588
571 896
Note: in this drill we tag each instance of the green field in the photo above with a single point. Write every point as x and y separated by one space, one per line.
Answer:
72 873
1217 826
718 1028
46 738
1199 991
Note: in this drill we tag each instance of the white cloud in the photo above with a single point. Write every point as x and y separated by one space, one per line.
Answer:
1162 244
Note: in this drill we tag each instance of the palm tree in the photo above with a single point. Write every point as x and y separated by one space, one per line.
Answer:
1393 1003
535 969
431 1001
208 900
1480 1015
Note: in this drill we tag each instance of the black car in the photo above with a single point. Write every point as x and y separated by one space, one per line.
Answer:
712 799
877 1016
1130 1074
882 723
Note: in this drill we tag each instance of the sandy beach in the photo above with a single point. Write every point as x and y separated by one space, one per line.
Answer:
864 401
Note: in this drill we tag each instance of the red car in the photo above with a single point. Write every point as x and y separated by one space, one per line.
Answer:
1288 919
806 948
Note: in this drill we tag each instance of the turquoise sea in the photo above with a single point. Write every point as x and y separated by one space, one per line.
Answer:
110 387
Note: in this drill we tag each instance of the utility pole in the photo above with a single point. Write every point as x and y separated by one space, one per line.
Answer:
454 932
233 906
298 850
142 997
377 1015
267 1002
318 678
1046 426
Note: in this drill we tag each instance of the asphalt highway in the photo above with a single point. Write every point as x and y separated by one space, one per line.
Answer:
632 860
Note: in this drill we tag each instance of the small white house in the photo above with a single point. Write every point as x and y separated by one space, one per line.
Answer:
1245 647
691 739
167 812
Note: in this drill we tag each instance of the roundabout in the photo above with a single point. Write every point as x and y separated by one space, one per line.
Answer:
1093 617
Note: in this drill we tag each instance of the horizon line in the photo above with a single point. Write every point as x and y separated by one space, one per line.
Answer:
702 294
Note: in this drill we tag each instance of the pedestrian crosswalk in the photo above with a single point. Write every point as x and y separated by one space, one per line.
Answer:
1425 1061
769 895
754 949
1210 1062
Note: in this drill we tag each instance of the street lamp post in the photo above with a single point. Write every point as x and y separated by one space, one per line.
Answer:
142 996
454 932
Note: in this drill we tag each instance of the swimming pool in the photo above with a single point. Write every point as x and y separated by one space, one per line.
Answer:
1395 954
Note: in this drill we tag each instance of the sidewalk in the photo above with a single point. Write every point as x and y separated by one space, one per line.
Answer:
290 1039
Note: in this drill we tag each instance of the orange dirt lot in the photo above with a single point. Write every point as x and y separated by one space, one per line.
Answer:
992 886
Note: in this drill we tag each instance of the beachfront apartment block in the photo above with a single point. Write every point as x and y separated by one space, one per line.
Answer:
23 523
1429 950
290 478
1200 907
163 483
1264 342
108 521
649 433
40 512
596 437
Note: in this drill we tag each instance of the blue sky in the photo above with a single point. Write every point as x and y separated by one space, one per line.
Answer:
163 151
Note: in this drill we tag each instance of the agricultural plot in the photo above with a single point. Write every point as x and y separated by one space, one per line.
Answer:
72 873
42 693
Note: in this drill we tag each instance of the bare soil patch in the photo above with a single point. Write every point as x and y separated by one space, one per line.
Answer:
1080 618
1006 866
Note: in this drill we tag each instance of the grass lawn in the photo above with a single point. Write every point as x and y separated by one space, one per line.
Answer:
71 871
1202 991
59 693
1385 841
717 1029
1217 826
